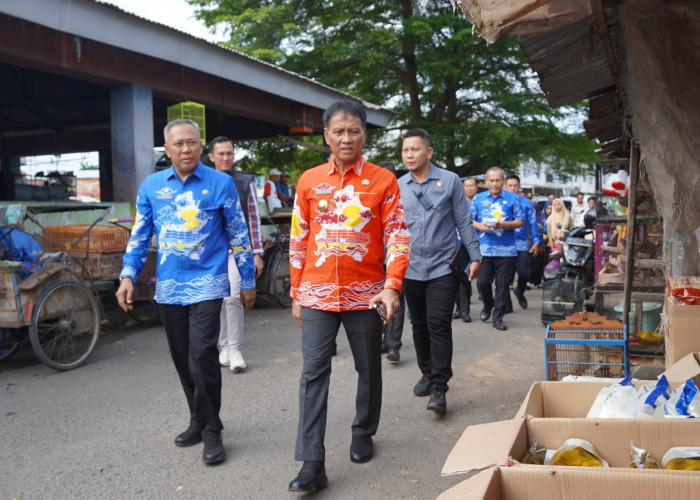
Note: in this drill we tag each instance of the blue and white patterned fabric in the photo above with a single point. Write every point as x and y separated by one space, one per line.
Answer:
195 222
489 210
527 234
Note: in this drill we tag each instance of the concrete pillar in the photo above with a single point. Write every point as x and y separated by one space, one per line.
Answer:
131 110
9 168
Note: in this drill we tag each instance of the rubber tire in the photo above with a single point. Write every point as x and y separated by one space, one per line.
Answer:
65 316
280 279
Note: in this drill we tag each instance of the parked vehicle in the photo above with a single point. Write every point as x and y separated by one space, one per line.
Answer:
570 284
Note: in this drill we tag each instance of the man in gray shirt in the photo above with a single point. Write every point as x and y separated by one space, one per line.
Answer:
434 206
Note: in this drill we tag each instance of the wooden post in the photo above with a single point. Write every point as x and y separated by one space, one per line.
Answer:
631 235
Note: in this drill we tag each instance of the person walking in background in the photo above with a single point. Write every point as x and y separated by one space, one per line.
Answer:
232 318
347 223
464 295
497 214
435 208
537 262
558 222
578 210
270 193
393 330
195 213
283 192
527 240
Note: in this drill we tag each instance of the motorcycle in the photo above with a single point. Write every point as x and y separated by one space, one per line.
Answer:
569 277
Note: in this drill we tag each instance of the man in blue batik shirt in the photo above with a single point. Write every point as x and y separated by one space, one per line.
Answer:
527 240
496 214
196 215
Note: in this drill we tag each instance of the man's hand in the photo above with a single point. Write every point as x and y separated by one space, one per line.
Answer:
535 249
296 313
390 298
125 294
247 299
259 264
474 271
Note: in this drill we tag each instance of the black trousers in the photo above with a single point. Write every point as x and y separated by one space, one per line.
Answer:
523 268
464 298
318 333
430 304
500 270
394 329
192 333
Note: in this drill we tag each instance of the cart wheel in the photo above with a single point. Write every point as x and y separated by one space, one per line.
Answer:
65 325
144 312
280 279
8 343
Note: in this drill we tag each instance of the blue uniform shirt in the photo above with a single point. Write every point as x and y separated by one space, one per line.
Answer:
488 209
527 234
196 222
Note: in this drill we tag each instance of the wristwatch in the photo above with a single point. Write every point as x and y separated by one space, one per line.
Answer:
478 261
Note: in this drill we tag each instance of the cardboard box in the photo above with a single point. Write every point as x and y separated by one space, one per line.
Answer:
682 325
502 443
573 483
686 368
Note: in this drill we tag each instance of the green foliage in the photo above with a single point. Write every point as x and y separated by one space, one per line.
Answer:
481 104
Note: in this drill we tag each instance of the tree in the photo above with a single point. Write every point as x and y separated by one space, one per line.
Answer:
481 104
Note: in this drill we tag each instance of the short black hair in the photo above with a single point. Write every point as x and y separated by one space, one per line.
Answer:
387 165
591 198
419 132
513 176
217 140
579 194
349 106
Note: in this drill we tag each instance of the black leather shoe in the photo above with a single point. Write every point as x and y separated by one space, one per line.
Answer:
213 447
311 477
190 437
521 300
393 356
485 314
361 449
500 325
466 318
437 402
456 315
422 388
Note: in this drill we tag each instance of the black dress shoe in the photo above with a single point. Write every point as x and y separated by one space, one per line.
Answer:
190 437
485 314
422 388
466 318
437 402
456 315
214 451
521 300
500 325
393 356
311 477
361 449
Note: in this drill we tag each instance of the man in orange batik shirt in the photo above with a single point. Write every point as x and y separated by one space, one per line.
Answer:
345 212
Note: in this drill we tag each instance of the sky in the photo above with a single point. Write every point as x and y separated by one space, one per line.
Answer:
174 13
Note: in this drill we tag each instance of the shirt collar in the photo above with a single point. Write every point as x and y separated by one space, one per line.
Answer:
357 167
197 171
433 173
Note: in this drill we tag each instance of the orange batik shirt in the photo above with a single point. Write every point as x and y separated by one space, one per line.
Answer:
341 226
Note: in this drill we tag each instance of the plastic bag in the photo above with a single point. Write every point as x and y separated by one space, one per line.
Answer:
615 401
652 399
535 455
577 453
682 458
550 270
642 459
680 401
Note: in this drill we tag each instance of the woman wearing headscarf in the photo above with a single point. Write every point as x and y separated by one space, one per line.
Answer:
557 223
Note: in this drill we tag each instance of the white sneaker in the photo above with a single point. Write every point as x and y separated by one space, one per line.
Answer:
236 361
224 357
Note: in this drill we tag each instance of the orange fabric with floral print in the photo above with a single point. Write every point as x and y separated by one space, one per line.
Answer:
341 226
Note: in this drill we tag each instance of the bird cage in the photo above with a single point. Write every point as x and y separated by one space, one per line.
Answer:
586 344
191 111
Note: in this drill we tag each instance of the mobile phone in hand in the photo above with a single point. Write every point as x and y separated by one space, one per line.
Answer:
381 310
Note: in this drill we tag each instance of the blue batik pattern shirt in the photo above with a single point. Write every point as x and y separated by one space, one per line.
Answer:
489 210
527 234
195 222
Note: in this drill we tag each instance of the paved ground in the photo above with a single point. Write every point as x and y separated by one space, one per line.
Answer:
105 430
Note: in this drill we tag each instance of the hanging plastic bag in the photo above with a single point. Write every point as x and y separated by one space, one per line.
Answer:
617 400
